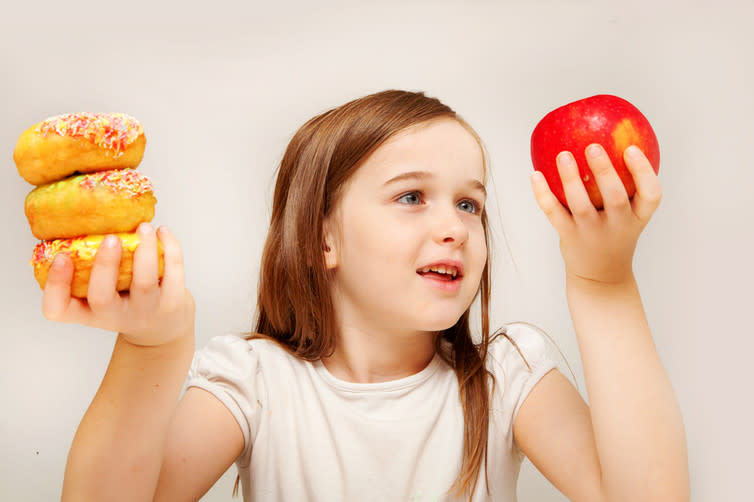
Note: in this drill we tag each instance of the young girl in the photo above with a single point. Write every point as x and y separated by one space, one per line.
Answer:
362 380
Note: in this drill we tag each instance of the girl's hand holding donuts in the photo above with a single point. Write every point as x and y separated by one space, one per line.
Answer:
598 245
153 312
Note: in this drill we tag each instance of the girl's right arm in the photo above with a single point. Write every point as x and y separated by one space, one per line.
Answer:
135 440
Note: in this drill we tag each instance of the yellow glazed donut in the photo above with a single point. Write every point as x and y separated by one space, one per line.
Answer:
98 203
78 142
82 251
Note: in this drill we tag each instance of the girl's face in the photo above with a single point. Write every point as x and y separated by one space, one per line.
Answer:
406 240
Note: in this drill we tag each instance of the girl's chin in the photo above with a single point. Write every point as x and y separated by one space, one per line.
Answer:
441 323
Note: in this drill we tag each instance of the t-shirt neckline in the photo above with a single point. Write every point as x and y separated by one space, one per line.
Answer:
379 387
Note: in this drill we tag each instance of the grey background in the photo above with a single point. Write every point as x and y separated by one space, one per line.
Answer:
221 87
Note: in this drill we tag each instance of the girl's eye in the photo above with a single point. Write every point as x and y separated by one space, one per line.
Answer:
469 206
415 198
411 198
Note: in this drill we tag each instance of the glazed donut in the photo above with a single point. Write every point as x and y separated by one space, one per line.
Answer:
82 251
78 142
104 202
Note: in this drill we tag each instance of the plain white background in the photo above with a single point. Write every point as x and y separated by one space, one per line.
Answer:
221 87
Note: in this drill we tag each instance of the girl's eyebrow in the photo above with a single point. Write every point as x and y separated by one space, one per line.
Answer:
420 175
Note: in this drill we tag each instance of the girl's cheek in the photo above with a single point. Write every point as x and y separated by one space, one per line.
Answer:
481 248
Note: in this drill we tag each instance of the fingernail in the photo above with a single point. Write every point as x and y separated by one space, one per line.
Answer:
110 241
594 150
145 228
633 151
57 262
565 158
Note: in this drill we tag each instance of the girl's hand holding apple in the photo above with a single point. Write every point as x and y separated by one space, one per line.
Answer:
598 245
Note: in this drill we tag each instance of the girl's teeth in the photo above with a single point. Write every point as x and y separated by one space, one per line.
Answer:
441 270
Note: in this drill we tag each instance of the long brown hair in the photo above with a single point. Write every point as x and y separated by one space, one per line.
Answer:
294 304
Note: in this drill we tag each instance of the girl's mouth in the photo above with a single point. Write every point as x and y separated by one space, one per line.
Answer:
439 276
446 278
442 270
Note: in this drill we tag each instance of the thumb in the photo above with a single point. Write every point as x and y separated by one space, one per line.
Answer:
56 299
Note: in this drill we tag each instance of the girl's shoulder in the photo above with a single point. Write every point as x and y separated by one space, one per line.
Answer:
238 370
526 336
522 347
518 357
241 350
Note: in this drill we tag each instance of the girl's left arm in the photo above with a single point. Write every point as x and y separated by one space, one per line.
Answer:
636 420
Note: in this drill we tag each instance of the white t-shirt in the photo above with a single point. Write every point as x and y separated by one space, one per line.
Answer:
312 437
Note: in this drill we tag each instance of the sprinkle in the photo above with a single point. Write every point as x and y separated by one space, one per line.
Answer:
46 250
127 182
112 131
78 248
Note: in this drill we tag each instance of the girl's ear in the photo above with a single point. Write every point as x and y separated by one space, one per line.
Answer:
328 246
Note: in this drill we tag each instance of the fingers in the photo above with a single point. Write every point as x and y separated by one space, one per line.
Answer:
612 189
173 281
57 303
146 302
615 198
549 204
648 189
102 294
573 186
57 289
144 289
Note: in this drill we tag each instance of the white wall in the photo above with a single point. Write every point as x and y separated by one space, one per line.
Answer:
221 88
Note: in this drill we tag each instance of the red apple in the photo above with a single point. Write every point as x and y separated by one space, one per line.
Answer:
608 120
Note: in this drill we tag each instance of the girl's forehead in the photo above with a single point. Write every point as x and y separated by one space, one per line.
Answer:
441 145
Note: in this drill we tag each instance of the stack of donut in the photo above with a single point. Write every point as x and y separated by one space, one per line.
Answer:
83 166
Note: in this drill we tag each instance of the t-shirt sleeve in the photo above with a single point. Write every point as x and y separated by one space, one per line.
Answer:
228 368
516 373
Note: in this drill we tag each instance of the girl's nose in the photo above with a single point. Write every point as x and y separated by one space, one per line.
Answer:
450 229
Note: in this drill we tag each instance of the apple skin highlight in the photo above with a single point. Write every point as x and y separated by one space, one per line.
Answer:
608 120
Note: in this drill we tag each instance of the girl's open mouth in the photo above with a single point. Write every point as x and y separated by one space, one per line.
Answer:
444 277
440 277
